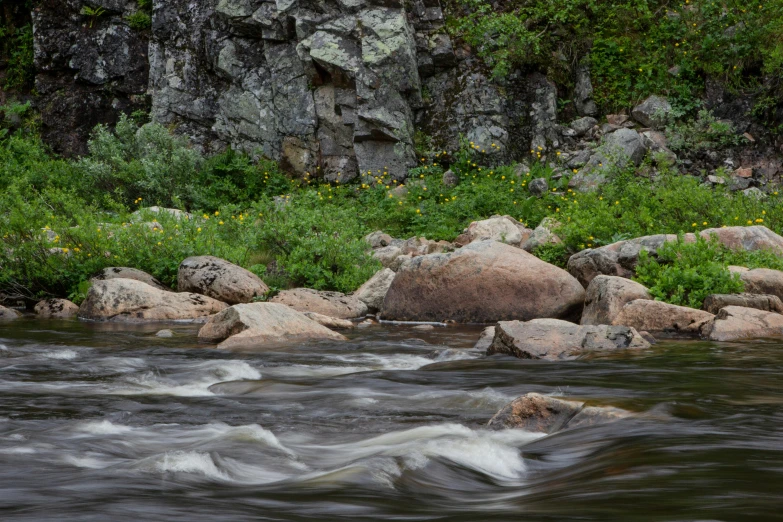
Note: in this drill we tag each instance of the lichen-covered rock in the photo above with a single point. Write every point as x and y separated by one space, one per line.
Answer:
656 316
124 272
130 300
619 149
8 313
734 323
606 297
768 303
560 340
483 282
373 291
56 309
219 279
652 112
254 325
332 304
544 414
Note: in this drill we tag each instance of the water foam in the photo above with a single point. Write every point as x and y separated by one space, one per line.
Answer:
65 354
192 382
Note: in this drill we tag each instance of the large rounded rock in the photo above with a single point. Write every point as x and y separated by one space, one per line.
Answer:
131 300
735 323
763 281
219 279
56 309
557 340
652 112
544 414
257 324
332 304
8 313
483 282
606 296
124 272
373 292
659 317
504 229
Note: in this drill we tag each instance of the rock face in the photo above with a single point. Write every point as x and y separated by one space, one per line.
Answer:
131 300
763 281
658 317
544 414
56 309
8 313
256 324
768 303
373 292
332 304
619 259
606 297
483 282
122 272
734 323
219 279
559 340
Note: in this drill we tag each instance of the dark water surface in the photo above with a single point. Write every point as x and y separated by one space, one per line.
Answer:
104 422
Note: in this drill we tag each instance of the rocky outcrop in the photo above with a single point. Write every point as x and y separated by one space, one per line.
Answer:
483 282
131 300
219 279
606 297
8 313
56 309
373 291
332 304
555 340
254 325
734 323
544 414
768 303
619 259
123 272
659 317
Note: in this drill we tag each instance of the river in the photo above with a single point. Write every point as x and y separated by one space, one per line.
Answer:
110 422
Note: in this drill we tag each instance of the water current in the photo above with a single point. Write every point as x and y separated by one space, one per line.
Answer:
108 422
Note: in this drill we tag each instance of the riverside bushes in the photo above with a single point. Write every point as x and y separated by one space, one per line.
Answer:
64 220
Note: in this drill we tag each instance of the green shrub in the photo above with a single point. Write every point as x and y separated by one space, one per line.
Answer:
705 132
139 21
17 48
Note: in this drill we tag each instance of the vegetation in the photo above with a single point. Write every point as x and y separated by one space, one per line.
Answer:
64 220
635 47
16 49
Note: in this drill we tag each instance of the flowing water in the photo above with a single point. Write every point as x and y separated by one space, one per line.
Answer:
103 422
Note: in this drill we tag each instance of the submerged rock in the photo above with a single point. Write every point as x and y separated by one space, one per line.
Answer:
733 323
483 282
164 334
544 414
556 340
56 309
131 300
219 279
332 304
606 296
256 324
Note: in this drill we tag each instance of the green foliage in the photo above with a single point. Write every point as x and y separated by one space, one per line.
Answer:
636 47
93 13
705 132
139 20
554 253
16 46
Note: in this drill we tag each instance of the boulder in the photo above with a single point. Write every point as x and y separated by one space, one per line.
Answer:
485 340
483 282
164 334
763 281
330 322
131 300
450 179
606 297
542 235
538 187
656 316
583 92
544 414
332 304
560 340
623 146
378 239
123 272
255 324
652 112
56 309
504 229
734 323
219 279
373 292
8 313
583 125
768 303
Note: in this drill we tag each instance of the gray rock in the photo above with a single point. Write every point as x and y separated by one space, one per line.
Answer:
165 334
606 297
538 187
485 340
8 314
652 112
450 179
373 292
542 235
583 92
219 279
56 309
583 125
123 272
